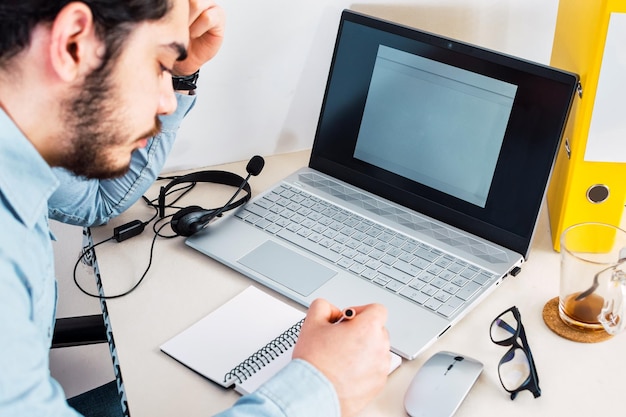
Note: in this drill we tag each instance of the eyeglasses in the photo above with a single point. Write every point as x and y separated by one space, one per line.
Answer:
516 369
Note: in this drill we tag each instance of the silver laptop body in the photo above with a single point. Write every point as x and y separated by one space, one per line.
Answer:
425 182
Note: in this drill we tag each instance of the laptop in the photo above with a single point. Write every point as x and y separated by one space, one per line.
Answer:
426 177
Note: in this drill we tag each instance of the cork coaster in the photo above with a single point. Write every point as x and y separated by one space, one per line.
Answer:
554 322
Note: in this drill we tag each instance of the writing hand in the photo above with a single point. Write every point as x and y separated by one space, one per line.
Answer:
353 355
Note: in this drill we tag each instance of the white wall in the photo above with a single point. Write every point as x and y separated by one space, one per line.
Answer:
262 93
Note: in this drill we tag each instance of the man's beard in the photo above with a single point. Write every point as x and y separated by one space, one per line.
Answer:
96 129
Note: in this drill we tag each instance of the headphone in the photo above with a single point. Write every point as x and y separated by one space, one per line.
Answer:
192 219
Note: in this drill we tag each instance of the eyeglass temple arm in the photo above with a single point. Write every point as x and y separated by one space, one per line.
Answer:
503 324
531 360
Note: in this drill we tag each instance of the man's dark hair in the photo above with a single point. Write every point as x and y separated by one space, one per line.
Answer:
113 19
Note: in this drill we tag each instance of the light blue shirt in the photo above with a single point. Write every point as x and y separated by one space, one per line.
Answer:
30 191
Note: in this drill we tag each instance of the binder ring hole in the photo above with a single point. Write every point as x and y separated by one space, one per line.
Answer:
598 193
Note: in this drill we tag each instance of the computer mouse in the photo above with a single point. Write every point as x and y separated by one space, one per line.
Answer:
441 384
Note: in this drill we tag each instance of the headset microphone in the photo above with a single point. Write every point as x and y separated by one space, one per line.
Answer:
255 166
192 219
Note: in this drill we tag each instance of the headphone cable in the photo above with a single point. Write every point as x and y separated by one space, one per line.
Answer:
136 227
109 297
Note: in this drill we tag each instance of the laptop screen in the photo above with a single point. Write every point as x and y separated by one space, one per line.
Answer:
409 101
462 134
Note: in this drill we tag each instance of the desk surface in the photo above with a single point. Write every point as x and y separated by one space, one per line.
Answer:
183 286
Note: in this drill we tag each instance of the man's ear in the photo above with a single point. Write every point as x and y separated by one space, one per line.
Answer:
74 46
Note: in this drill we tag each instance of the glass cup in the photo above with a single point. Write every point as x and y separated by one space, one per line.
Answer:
593 277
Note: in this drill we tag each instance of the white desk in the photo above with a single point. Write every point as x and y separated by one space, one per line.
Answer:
183 286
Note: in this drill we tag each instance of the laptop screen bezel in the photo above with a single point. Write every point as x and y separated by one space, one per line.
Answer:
540 109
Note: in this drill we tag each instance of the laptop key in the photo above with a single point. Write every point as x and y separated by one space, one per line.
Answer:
424 254
388 260
381 280
417 285
459 281
263 223
252 218
315 237
345 263
414 295
373 263
451 289
468 291
273 196
406 257
325 242
447 275
430 290
468 273
446 310
442 296
434 269
362 259
407 268
304 232
449 307
357 268
394 285
369 273
287 194
426 276
273 228
483 278
395 274
338 247
420 263
456 268
438 282
433 304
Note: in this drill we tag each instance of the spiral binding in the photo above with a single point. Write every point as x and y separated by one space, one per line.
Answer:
265 355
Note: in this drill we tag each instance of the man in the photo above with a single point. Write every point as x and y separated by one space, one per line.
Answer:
83 85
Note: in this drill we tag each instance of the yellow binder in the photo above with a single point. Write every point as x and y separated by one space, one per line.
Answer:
589 178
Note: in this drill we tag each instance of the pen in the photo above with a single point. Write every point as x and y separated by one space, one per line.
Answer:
347 314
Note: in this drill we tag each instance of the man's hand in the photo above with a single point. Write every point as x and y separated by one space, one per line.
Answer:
353 355
206 33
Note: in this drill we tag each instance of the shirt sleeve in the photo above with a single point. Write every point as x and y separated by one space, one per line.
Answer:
83 202
26 387
299 390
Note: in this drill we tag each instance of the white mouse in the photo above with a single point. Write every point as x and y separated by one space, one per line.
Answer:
441 385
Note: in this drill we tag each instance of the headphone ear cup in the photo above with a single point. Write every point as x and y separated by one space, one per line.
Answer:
180 224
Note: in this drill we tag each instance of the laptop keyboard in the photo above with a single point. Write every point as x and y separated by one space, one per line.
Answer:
384 257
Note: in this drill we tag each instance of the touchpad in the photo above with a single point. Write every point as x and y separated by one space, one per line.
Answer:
286 267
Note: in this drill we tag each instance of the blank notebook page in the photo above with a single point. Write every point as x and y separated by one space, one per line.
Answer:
231 334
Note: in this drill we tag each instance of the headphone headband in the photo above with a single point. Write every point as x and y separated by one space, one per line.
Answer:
217 177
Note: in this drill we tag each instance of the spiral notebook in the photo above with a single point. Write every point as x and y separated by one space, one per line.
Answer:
243 343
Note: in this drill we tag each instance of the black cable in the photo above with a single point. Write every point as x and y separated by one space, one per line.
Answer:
157 230
109 297
184 188
132 229
135 227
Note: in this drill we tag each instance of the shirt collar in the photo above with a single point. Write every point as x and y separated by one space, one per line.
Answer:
26 180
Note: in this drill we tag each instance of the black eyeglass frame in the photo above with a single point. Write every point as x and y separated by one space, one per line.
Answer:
532 382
